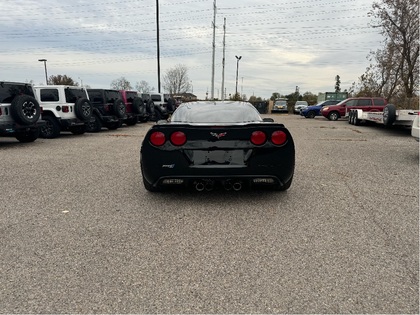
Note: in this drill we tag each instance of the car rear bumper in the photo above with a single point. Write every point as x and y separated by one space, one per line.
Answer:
10 128
208 183
67 123
175 169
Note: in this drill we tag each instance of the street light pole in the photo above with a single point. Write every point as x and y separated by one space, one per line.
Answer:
45 67
237 69
158 44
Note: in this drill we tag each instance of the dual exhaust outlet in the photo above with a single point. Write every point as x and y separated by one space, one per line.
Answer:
208 185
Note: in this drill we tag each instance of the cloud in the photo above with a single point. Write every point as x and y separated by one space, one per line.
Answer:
283 44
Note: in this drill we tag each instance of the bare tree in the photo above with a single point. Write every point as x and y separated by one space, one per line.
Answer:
176 81
394 72
121 84
144 87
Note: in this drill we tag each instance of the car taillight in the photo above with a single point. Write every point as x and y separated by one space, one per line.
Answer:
65 109
178 138
278 137
258 138
157 138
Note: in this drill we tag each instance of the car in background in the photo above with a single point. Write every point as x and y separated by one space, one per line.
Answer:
315 110
367 104
135 107
156 106
415 128
108 109
64 108
207 144
299 105
20 112
280 106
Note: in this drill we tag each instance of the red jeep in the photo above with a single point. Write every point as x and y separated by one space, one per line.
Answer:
136 109
367 104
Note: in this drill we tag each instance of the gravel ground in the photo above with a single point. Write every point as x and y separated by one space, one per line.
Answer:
80 234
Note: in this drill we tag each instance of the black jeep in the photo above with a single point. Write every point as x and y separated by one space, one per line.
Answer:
19 111
108 109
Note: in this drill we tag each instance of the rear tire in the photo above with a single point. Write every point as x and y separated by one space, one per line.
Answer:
138 106
51 129
119 108
157 116
113 125
83 109
27 136
94 126
350 118
132 121
389 115
78 130
356 121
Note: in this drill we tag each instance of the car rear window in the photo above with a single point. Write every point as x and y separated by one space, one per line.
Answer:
131 96
111 96
8 91
379 102
364 102
206 113
49 95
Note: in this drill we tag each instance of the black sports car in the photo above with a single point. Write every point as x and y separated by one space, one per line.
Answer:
207 144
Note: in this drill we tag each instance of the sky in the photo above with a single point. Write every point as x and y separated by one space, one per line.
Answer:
284 44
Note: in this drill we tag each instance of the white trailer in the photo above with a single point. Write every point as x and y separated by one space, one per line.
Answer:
390 116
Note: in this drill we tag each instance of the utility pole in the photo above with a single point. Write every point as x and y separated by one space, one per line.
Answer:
237 69
242 86
158 46
214 51
223 60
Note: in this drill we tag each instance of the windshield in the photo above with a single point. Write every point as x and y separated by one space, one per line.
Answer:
215 113
280 103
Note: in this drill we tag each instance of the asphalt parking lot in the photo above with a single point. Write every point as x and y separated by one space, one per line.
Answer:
80 234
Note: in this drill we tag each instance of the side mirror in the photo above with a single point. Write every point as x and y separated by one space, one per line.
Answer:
268 120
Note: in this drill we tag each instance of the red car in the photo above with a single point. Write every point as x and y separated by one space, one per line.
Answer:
367 104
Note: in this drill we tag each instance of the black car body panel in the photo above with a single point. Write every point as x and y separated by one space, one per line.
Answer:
217 149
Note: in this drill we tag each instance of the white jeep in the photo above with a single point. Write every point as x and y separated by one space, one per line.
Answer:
65 108
156 106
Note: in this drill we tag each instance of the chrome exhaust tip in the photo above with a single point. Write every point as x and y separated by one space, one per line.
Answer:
199 186
227 185
237 186
209 185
